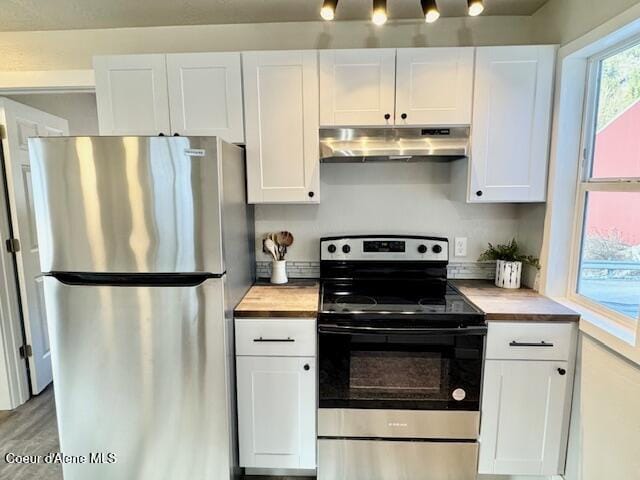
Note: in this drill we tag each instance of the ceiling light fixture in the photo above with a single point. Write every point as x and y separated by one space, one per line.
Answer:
379 16
430 10
475 7
328 10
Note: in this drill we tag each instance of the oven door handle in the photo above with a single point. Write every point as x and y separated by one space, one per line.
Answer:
349 330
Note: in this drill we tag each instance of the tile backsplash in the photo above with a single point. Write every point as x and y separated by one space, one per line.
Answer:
296 269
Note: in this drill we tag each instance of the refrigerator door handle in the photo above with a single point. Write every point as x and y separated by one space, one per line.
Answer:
135 279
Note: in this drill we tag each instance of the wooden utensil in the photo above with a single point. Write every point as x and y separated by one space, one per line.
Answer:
284 240
271 247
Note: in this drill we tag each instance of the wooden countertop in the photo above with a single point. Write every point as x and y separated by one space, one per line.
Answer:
521 304
296 299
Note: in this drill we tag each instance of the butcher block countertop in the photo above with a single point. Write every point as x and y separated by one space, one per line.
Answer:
521 304
296 299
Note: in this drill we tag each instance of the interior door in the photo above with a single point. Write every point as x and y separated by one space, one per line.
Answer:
357 87
21 122
205 95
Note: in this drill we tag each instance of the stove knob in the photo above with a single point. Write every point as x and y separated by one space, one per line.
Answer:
436 249
346 249
422 249
332 248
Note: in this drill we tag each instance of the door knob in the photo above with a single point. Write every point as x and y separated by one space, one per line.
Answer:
562 371
307 367
387 116
403 116
479 193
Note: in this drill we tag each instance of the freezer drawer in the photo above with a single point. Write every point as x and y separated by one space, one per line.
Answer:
128 204
142 372
340 459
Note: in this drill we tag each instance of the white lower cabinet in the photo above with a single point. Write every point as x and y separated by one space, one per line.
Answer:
276 386
276 410
526 402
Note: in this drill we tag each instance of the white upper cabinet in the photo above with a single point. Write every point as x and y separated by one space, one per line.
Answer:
357 87
281 126
205 95
511 124
131 93
434 86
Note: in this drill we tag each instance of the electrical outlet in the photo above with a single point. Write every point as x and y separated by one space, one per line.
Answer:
460 247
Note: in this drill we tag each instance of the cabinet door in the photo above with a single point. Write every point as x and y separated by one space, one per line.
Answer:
281 108
523 410
277 412
357 87
511 124
434 86
205 95
131 93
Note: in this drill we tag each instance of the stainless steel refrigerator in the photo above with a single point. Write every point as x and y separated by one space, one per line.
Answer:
146 245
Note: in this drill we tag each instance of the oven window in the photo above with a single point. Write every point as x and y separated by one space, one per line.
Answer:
400 372
396 373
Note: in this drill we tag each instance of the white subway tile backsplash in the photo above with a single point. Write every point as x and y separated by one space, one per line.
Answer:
304 269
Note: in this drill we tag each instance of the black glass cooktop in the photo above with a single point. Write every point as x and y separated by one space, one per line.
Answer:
404 300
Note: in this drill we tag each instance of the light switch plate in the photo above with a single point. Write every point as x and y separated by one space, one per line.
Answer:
460 249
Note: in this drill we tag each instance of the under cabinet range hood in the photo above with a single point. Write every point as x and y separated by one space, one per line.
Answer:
343 145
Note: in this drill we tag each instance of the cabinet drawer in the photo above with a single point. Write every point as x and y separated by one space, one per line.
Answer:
266 336
530 341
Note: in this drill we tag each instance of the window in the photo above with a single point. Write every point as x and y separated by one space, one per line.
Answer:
608 263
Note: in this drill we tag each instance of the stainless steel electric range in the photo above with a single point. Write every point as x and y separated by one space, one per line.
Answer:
400 362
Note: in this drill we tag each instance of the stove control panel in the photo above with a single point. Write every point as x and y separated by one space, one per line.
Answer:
410 248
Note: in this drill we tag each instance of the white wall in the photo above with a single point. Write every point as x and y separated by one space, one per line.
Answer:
561 21
417 198
73 49
79 109
609 416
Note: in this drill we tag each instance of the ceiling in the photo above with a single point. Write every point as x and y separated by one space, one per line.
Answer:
16 15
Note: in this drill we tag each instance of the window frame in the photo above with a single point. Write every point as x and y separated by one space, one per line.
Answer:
588 184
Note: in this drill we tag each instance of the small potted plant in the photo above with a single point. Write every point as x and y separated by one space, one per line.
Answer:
276 244
509 261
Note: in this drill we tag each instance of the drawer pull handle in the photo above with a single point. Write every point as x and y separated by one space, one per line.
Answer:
528 344
288 339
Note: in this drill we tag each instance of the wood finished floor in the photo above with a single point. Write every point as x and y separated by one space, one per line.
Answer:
31 429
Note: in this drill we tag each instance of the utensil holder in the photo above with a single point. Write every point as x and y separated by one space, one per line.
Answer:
279 271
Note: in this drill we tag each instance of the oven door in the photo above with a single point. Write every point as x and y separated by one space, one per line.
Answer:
400 369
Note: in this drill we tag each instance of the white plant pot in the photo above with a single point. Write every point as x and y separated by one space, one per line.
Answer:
508 274
279 271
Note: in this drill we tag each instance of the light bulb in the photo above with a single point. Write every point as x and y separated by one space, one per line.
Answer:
327 13
430 10
328 10
432 16
475 7
379 16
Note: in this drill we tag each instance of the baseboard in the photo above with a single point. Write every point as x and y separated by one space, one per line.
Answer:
280 472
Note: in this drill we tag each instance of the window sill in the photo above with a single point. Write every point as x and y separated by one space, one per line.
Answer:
619 338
